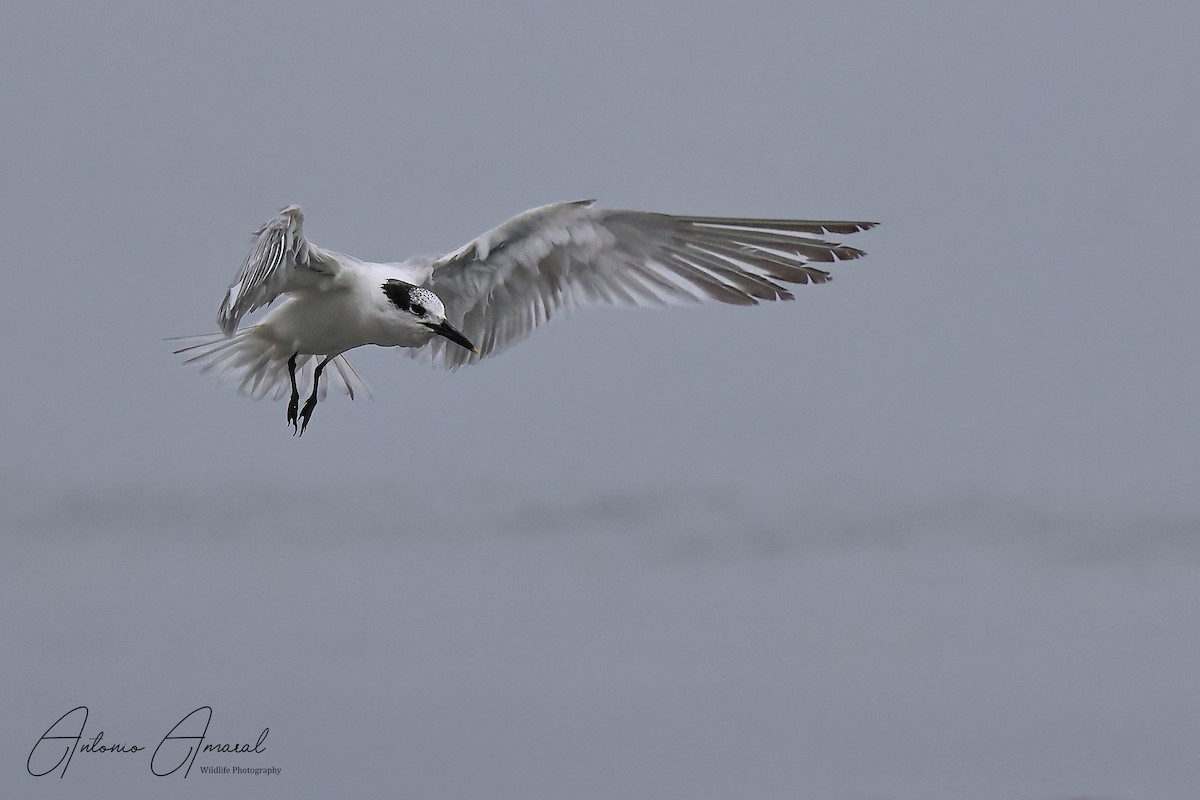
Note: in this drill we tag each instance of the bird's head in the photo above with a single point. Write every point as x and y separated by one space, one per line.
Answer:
424 308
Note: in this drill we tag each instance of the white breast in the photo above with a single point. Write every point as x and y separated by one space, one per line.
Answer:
350 312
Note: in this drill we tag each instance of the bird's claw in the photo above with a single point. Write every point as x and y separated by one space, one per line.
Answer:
305 415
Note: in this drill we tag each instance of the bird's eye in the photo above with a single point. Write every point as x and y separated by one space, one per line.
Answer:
419 310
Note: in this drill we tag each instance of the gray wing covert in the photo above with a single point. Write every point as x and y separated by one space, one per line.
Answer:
551 260
280 260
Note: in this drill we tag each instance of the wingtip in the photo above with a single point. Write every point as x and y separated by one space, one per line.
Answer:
227 325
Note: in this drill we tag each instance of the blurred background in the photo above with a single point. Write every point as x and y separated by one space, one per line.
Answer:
929 531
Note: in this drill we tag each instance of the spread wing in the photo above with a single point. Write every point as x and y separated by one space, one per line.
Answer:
280 260
551 260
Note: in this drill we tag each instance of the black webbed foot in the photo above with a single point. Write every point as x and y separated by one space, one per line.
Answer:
306 413
291 413
310 404
294 403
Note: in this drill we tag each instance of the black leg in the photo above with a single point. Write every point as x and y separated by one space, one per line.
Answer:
294 403
311 403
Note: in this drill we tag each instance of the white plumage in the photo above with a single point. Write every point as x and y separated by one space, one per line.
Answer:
492 292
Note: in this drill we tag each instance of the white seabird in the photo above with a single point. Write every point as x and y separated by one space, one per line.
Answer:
490 293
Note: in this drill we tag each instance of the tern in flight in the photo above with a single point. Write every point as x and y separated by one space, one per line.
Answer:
490 293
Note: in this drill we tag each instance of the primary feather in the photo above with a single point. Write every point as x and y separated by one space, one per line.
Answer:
551 260
493 291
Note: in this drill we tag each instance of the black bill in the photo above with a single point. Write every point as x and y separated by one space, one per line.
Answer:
451 333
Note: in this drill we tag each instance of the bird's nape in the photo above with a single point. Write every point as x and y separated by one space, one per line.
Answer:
491 293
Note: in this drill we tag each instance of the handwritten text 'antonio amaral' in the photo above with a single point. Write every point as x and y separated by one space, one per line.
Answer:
186 740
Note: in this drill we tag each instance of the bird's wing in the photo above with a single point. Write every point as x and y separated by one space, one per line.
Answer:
550 260
280 260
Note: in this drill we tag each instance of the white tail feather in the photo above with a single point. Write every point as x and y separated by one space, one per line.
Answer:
259 366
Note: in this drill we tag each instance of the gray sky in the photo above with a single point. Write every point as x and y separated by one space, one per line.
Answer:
929 529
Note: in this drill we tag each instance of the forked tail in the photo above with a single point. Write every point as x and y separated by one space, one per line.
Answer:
259 366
